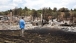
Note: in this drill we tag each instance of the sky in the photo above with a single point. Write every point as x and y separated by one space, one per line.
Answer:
36 4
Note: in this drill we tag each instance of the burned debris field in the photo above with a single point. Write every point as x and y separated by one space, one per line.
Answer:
37 36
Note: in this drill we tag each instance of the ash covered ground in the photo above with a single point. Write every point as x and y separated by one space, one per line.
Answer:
37 36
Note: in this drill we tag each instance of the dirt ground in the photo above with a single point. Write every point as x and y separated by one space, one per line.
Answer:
37 36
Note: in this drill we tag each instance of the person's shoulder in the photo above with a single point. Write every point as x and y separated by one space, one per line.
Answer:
20 20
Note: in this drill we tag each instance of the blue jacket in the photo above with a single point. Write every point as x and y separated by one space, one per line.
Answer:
22 24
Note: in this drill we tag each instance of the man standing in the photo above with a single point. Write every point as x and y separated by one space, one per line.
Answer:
22 26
